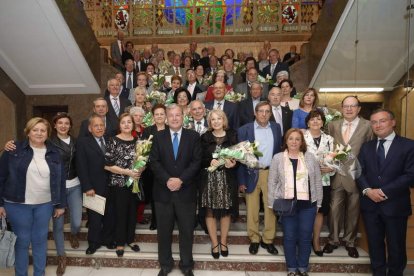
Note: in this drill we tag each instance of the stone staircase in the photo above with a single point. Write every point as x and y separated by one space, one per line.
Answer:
239 258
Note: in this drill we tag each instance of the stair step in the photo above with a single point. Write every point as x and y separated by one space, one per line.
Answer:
239 258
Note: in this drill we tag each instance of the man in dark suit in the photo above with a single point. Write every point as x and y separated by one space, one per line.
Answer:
128 53
100 108
175 161
175 69
117 47
129 75
146 58
212 65
280 114
123 91
233 79
254 181
275 65
90 162
116 105
387 165
192 85
229 108
194 55
251 76
247 106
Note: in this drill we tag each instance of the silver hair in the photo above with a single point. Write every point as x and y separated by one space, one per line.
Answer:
199 101
282 73
174 106
136 110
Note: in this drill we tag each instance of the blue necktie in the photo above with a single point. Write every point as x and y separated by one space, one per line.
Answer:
175 145
381 153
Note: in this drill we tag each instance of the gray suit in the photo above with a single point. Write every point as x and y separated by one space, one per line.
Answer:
116 56
243 88
345 193
183 73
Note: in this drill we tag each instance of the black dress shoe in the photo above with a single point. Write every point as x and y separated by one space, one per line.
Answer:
163 272
153 226
254 248
134 247
352 251
92 249
189 273
269 247
215 255
329 248
120 253
111 245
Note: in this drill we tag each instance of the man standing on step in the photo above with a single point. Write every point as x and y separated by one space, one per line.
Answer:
387 172
254 181
353 131
90 162
175 161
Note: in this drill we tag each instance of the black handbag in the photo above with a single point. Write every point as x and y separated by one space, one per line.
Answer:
284 207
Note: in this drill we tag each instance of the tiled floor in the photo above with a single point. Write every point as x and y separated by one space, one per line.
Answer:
111 271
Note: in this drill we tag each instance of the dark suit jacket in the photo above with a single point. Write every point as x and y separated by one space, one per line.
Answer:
126 55
111 116
197 89
246 112
124 92
205 61
393 178
237 79
287 114
186 167
134 75
248 176
231 110
280 66
110 130
90 163
244 88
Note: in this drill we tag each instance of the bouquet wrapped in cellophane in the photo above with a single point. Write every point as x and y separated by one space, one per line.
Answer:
268 79
148 120
142 151
157 81
156 97
331 114
244 152
234 97
337 158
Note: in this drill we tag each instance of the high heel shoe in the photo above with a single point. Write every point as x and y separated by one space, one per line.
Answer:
215 255
318 253
224 253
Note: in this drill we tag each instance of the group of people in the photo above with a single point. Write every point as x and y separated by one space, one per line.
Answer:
41 176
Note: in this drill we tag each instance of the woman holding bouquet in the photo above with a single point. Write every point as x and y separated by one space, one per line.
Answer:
319 144
120 153
159 115
308 101
295 176
219 187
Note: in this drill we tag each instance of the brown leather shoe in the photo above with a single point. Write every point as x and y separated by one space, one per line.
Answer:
73 240
352 251
61 267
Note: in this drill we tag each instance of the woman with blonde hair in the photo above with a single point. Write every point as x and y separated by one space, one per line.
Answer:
219 187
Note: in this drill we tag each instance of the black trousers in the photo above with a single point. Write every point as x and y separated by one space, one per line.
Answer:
100 228
125 204
167 214
392 229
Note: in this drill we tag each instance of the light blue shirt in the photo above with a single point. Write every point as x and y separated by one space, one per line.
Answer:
255 102
264 135
178 136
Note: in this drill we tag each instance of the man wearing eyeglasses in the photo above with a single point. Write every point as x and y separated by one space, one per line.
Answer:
253 182
353 131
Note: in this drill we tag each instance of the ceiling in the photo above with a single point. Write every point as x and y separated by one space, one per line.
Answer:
380 58
48 60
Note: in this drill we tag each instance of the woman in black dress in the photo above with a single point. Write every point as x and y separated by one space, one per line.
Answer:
219 187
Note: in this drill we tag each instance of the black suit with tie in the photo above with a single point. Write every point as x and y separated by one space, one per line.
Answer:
123 94
231 110
90 163
279 67
111 116
178 205
246 111
134 78
387 219
287 114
